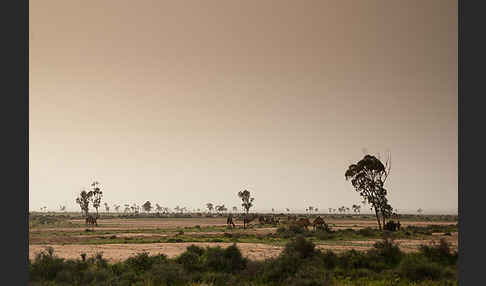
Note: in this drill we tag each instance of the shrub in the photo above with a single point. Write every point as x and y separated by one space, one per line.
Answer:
416 268
388 251
228 260
190 261
367 232
143 262
300 247
195 249
46 266
166 274
329 259
440 252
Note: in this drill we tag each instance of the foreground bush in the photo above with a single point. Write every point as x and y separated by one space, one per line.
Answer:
300 263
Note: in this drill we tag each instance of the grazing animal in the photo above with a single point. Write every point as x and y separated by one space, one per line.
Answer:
229 220
291 218
247 220
91 220
319 222
262 219
303 222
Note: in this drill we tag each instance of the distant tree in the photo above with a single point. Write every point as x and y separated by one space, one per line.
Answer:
135 208
95 195
117 207
62 208
158 208
127 208
311 208
147 206
368 177
221 209
288 210
316 209
178 209
247 200
210 207
235 209
273 210
419 211
83 201
330 210
107 207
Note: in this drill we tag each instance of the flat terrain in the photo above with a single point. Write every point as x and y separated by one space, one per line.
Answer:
119 238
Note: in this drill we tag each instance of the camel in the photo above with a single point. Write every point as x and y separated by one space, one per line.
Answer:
319 222
291 218
303 222
91 220
262 219
229 220
392 225
247 220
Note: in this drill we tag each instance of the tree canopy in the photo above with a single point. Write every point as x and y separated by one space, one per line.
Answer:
368 177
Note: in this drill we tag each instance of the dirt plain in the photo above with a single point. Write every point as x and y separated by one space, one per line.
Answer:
70 242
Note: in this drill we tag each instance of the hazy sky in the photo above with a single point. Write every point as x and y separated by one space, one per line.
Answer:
188 102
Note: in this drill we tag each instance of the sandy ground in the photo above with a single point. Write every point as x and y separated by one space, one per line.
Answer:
256 251
118 252
67 246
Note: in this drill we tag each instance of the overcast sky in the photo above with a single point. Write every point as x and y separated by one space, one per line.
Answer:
189 102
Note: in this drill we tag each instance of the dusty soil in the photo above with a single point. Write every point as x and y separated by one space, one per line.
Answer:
118 252
67 244
256 251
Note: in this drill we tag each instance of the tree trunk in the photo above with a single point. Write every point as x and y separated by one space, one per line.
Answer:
378 219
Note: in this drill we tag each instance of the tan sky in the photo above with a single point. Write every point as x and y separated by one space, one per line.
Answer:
188 102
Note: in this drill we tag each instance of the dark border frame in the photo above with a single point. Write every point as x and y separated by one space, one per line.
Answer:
15 119
471 148
15 133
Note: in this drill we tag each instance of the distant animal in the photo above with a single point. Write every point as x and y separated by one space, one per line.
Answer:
392 226
291 218
262 219
229 220
303 222
91 220
319 223
248 219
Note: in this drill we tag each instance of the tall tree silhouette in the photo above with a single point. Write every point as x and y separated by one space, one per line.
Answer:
368 177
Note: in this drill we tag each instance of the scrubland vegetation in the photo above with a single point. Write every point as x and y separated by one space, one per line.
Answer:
299 264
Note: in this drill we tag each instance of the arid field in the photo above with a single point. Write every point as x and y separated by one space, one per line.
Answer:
118 238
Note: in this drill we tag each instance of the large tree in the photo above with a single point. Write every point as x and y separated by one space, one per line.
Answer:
83 201
247 200
95 195
368 177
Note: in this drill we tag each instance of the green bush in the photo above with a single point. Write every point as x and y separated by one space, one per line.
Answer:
228 260
300 247
416 268
440 252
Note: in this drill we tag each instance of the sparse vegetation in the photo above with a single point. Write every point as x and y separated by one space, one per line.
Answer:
300 263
